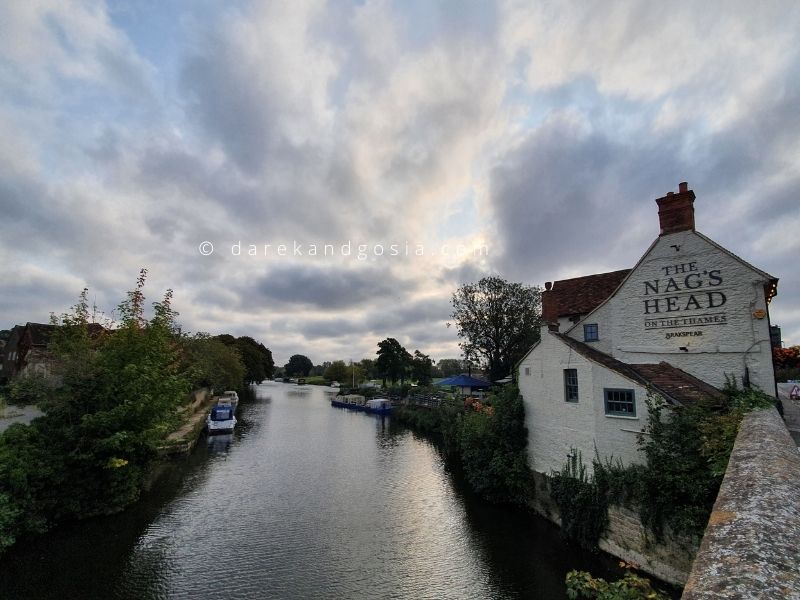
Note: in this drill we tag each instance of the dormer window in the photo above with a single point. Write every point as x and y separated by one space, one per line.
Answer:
590 333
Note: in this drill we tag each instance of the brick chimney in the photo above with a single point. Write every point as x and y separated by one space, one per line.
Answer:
676 211
550 306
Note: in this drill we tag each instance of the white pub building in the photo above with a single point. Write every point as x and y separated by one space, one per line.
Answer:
688 315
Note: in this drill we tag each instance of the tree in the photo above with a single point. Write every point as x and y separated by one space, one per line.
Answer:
787 363
498 322
393 361
421 367
227 339
257 359
319 370
116 399
451 366
337 371
367 365
212 363
298 365
492 444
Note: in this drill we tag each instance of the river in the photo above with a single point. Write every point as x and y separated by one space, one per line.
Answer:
303 501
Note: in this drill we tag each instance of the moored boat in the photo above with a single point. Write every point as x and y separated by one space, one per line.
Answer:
379 406
376 406
231 397
222 418
351 401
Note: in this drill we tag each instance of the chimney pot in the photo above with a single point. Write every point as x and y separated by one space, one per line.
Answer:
683 187
670 193
548 285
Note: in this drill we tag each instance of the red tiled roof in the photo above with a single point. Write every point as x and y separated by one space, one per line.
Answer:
678 384
579 295
675 385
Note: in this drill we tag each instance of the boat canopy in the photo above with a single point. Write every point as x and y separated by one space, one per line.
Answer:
222 413
378 403
464 381
353 399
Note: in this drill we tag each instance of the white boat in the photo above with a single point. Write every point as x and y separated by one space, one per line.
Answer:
231 396
222 418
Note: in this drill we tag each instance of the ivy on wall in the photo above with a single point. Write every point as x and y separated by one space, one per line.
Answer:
686 452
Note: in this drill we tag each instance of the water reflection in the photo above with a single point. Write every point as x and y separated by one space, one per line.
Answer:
301 501
219 443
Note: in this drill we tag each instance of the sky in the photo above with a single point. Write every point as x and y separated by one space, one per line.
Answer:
415 145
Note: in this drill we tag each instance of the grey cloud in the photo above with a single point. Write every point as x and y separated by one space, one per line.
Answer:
327 329
565 197
325 287
465 273
429 312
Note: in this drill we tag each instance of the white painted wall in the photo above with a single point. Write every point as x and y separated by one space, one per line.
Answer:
555 426
722 349
628 333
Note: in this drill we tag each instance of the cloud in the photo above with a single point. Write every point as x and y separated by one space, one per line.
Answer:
326 287
542 131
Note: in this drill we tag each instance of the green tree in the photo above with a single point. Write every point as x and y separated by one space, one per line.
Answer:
367 365
212 363
29 389
118 397
451 366
498 322
298 365
421 368
257 359
393 361
338 371
492 445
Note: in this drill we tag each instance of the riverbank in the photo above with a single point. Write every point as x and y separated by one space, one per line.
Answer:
183 440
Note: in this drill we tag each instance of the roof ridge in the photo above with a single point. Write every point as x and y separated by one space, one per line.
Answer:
592 275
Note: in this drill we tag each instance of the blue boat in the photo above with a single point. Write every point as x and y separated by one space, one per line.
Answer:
351 401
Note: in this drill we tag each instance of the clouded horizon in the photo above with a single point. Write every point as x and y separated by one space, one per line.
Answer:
523 139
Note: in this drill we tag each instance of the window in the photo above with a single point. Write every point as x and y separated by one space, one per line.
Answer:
621 403
590 333
571 385
527 371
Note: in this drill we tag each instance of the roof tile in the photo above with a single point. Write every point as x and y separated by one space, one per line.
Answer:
580 295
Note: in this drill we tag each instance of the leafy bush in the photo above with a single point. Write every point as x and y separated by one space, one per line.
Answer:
28 389
581 584
582 503
686 450
493 449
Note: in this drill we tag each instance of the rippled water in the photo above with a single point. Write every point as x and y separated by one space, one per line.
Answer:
303 501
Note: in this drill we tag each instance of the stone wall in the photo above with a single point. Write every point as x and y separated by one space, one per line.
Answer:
670 559
751 547
626 538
